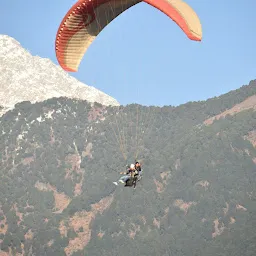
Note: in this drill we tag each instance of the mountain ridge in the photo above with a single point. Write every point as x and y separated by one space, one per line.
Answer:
31 78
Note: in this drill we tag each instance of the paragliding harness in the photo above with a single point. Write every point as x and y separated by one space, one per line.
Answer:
134 179
131 180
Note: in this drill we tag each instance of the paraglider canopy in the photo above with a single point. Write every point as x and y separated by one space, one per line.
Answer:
87 18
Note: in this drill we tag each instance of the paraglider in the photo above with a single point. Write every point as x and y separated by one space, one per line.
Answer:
78 29
87 18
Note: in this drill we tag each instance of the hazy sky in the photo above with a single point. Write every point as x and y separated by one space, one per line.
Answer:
143 56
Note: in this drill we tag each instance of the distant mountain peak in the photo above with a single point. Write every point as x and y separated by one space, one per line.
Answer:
24 77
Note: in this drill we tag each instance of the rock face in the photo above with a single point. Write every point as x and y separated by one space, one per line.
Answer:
24 77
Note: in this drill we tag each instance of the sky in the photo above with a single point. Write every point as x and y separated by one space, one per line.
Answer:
143 56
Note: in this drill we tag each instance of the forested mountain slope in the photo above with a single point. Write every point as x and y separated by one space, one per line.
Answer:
197 196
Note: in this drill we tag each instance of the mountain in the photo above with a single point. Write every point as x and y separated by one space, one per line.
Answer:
24 77
197 196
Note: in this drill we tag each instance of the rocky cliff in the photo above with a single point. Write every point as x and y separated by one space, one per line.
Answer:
24 77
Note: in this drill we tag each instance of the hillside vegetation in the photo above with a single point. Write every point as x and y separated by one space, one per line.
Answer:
197 196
